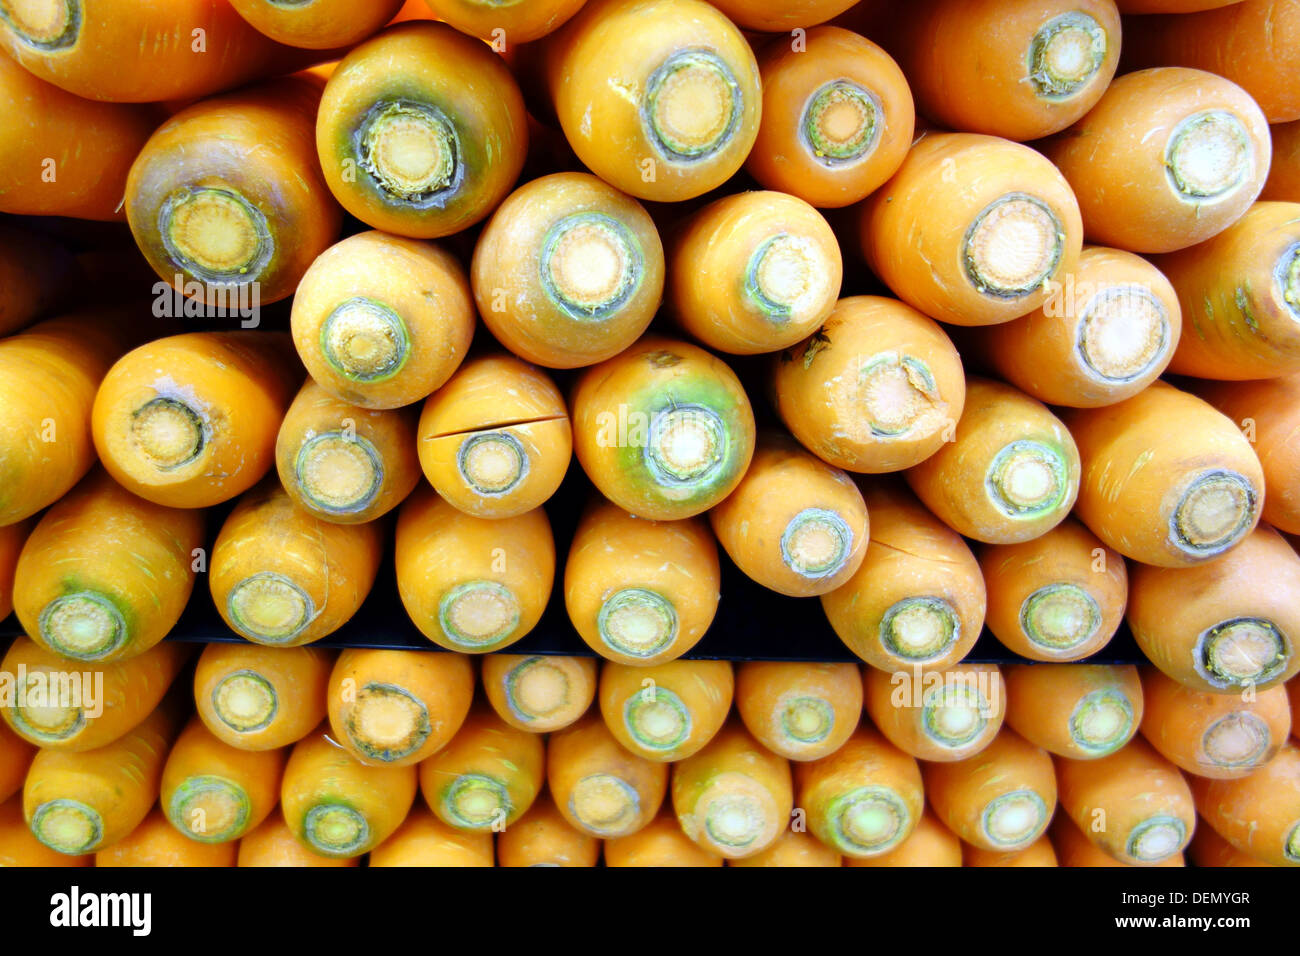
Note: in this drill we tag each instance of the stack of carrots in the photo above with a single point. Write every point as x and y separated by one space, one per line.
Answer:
959 315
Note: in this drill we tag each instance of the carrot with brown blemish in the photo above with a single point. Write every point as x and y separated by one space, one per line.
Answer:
1081 711
939 716
258 698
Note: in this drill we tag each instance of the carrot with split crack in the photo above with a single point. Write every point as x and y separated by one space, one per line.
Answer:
273 844
878 388
495 440
1166 159
940 716
1107 331
600 787
318 24
1010 226
283 577
190 420
487 777
394 708
1283 183
505 23
424 840
1081 711
918 599
1226 626
836 123
666 712
929 844
660 842
537 692
792 848
421 130
800 711
1167 480
1258 814
259 698
472 584
1220 736
18 848
656 602
1040 853
542 837
1059 597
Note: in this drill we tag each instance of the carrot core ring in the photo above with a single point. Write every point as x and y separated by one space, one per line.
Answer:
786 275
476 801
40 712
692 105
216 235
1027 479
737 812
1236 740
269 608
1213 514
919 628
1242 651
1013 245
245 701
637 622
1014 819
1208 155
686 444
591 265
339 473
387 722
68 826
1065 55
1101 722
816 543
478 613
336 830
807 720
411 150
492 463
868 820
1123 331
43 24
657 718
536 688
1060 616
168 432
365 340
1156 838
899 396
841 122
1292 848
84 625
953 714
1288 279
605 804
209 809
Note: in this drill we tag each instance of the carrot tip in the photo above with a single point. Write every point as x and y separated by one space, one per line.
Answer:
807 720
1242 652
270 608
591 265
478 614
245 701
411 150
1065 55
336 830
816 543
85 625
1015 819
920 628
1209 154
209 809
168 432
1013 246
606 805
387 722
692 105
841 123
868 821
365 340
1156 838
536 688
339 473
657 719
1102 722
46 25
474 801
492 463
1214 513
67 826
637 622
216 235
1059 617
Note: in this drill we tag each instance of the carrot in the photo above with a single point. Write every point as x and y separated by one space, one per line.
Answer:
317 24
1253 44
1267 412
227 201
663 430
1009 225
542 837
753 272
393 708
472 584
763 17
12 539
569 271
669 711
79 803
1220 736
504 23
1000 799
877 388
190 420
1293 695
35 273
48 379
1073 849
58 708
273 844
337 805
1059 597
864 799
1226 626
918 599
1167 480
213 793
105 575
18 848
259 698
1011 473
1133 804
660 99
1166 159
424 840
381 321
1106 332
796 710
792 848
1208 849
284 577
836 123
602 789
15 757
655 601
487 777
343 463
1170 6
495 440
733 797
539 693
421 131
1038 854
1258 814
660 842
155 843
1023 70
929 844
179 50
940 716
1081 711
1240 295
1283 184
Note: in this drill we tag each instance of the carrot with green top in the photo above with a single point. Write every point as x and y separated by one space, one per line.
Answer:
537 692
258 698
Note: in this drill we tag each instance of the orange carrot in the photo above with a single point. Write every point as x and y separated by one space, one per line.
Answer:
765 17
424 840
1283 183
273 844
317 24
12 539
18 848
542 837
930 844
669 711
1258 814
940 716
156 843
792 848
15 757
1038 854
505 23
1208 849
601 788
1081 711
539 693
259 698
1074 849
661 842
799 711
